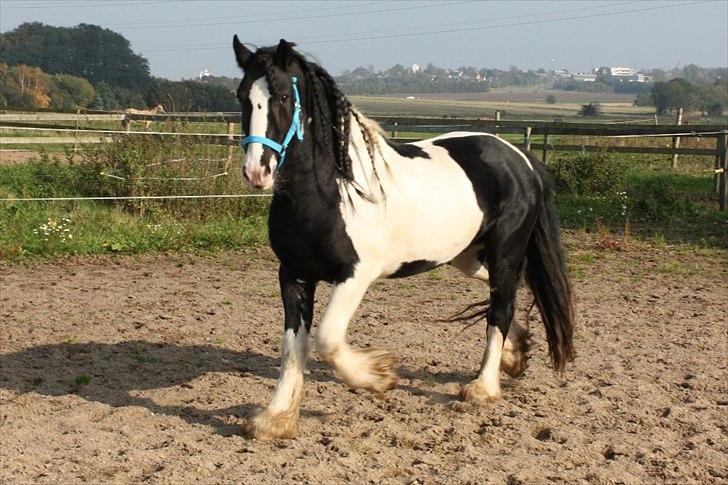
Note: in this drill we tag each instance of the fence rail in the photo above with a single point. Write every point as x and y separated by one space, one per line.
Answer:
527 128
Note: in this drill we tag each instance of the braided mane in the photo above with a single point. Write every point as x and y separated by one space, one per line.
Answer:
329 109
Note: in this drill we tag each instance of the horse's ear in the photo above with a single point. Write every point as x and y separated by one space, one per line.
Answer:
284 54
242 54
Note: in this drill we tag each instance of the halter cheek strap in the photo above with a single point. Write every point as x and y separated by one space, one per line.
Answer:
295 129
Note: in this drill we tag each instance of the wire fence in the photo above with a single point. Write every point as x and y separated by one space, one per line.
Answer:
532 131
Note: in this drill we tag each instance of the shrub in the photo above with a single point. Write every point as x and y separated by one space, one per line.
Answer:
715 109
588 174
658 198
551 99
590 109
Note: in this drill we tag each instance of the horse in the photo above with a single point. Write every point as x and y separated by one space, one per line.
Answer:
149 111
350 206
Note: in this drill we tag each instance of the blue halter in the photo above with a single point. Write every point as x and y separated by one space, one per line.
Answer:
295 129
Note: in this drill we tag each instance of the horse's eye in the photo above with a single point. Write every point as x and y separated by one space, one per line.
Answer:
284 97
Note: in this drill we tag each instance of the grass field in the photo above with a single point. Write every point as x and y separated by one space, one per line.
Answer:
511 104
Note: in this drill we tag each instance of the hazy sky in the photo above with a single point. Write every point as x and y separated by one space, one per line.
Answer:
180 38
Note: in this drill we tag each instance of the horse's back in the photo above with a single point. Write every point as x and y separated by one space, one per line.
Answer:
439 199
500 172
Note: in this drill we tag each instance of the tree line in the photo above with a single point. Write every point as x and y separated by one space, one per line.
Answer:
666 96
433 79
87 66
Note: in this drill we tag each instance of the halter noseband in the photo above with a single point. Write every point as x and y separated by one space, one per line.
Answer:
295 129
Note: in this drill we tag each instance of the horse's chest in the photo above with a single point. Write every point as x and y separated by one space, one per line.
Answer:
311 241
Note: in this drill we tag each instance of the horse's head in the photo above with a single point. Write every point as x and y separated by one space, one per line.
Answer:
269 96
160 108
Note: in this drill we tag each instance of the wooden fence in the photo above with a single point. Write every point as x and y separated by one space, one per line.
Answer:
537 135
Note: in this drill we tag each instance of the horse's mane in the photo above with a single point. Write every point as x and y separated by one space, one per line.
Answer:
330 113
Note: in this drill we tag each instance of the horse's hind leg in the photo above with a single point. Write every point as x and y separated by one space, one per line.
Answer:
372 370
514 360
505 255
470 262
280 418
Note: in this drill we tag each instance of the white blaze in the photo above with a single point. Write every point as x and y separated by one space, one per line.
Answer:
257 174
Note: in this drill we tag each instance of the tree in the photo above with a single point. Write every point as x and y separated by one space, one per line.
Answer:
70 92
673 94
644 99
111 98
24 87
190 96
88 51
551 99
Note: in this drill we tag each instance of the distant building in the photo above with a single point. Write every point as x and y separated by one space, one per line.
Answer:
562 73
625 74
415 68
619 71
585 76
203 74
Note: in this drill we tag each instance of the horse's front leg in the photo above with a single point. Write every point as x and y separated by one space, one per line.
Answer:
373 369
280 418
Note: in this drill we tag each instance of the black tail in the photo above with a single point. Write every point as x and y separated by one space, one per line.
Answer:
548 277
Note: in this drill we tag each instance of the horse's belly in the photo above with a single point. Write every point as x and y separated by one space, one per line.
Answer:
424 219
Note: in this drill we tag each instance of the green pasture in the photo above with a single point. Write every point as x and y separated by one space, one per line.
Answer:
400 106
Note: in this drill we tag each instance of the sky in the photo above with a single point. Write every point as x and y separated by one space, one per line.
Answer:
180 38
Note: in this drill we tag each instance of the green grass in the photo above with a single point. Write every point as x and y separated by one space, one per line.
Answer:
641 195
398 106
657 205
52 229
82 380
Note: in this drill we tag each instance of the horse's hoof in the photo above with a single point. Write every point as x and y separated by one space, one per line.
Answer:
268 426
475 392
382 369
514 363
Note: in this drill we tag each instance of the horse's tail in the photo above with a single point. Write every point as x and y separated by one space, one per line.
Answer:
548 278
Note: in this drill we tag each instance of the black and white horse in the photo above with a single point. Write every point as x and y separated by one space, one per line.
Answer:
350 206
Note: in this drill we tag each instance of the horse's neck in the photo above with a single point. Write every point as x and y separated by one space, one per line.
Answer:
323 174
368 162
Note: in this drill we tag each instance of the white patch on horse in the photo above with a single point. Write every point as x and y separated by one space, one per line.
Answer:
288 389
416 220
258 175
373 370
490 373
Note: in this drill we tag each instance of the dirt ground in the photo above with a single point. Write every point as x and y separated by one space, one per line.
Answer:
136 368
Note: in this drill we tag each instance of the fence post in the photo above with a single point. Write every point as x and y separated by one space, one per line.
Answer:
676 139
722 176
231 147
656 123
497 118
716 166
75 133
545 145
527 139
